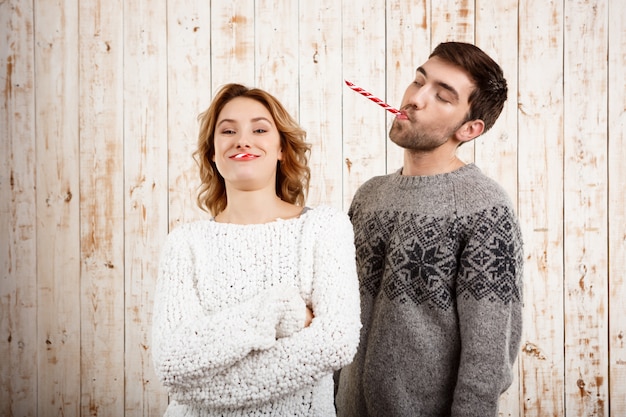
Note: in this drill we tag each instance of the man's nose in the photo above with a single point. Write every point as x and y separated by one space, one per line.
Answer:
417 99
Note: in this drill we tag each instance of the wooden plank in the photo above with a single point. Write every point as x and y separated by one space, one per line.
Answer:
540 202
617 212
58 238
320 103
189 90
496 150
497 34
540 205
363 61
585 233
101 209
408 47
146 201
453 20
18 289
232 45
276 50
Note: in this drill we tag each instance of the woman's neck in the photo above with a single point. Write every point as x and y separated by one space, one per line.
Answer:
251 207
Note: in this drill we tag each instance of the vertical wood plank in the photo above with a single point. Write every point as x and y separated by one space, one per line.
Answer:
617 212
453 20
232 45
189 90
408 47
276 50
101 209
496 150
58 238
363 61
146 202
18 281
586 274
540 125
320 102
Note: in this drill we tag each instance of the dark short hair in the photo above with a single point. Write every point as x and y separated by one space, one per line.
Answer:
490 93
293 173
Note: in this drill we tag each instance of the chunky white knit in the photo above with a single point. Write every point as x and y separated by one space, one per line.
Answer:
228 327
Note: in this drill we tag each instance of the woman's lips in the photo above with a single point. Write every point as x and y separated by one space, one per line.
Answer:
243 156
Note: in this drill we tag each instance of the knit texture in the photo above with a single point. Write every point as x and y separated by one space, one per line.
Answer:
440 268
229 310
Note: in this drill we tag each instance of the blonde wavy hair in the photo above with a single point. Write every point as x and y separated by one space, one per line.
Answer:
292 173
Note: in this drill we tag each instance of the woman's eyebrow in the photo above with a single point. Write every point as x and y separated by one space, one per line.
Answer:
260 119
254 119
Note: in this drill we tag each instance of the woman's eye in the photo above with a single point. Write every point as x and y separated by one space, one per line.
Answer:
260 131
228 132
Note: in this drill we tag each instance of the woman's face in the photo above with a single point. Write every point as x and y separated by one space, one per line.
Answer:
247 145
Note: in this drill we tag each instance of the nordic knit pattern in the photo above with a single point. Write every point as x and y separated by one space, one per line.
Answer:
440 268
228 324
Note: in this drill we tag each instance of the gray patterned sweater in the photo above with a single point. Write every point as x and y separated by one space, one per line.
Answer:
440 268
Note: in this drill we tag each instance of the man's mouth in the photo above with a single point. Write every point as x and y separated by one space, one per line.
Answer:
402 115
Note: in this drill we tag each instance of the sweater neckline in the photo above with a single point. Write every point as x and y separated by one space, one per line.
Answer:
276 221
413 180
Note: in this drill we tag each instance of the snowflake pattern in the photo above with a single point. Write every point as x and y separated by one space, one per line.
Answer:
428 260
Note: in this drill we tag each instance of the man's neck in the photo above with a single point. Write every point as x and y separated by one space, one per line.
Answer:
425 164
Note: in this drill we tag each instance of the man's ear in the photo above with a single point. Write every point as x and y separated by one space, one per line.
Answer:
470 130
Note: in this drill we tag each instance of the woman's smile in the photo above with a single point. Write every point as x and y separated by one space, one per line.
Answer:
243 157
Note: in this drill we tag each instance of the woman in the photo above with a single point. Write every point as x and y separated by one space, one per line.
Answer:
256 307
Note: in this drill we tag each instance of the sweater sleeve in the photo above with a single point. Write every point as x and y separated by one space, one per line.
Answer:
489 302
190 346
330 342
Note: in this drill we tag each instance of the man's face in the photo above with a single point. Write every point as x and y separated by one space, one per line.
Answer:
436 106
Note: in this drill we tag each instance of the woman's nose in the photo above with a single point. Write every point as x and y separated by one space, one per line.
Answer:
243 141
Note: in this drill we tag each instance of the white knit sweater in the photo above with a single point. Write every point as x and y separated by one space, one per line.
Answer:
228 327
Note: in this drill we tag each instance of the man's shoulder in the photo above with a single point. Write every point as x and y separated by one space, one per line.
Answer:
477 190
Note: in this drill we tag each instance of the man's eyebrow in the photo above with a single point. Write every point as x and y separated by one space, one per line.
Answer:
441 84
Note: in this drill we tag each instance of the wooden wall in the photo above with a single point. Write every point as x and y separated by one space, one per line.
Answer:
98 121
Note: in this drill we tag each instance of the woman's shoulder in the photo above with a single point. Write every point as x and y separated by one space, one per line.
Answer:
324 211
326 217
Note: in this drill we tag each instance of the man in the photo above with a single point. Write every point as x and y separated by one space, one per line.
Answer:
439 256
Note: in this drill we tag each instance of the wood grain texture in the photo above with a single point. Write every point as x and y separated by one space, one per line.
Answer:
188 94
320 110
585 198
276 50
540 202
101 209
58 195
364 123
617 214
145 193
18 228
232 45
